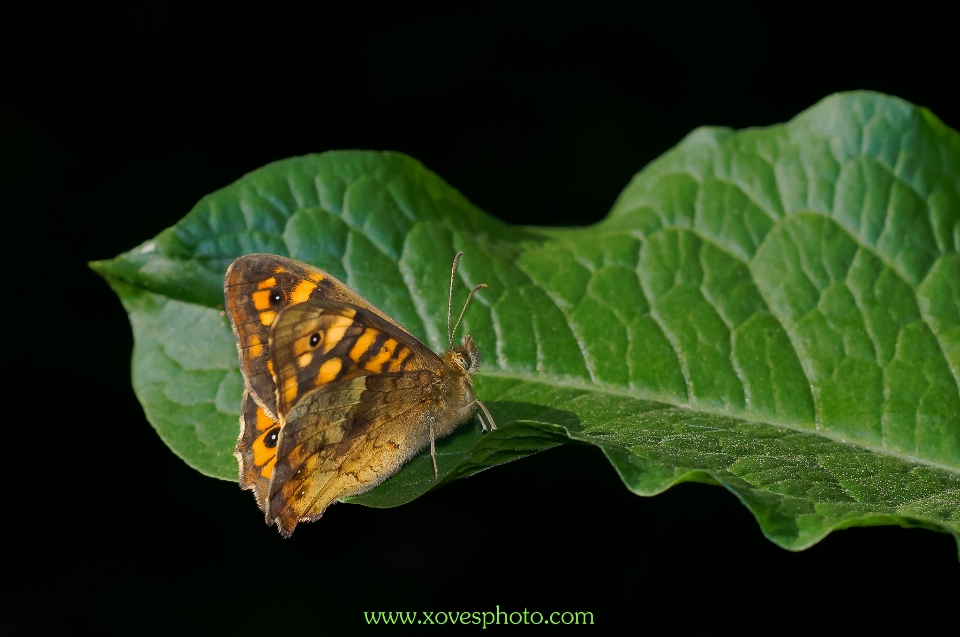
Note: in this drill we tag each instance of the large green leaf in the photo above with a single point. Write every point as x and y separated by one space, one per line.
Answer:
773 310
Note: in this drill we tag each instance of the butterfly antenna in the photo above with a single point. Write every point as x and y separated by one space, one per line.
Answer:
453 273
470 296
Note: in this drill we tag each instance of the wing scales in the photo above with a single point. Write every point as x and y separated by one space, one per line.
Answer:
345 439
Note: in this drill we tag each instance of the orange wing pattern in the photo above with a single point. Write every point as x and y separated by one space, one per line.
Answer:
319 342
257 287
257 449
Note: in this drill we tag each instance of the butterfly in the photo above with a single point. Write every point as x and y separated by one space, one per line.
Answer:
337 395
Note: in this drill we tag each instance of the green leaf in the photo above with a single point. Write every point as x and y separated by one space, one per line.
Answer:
772 310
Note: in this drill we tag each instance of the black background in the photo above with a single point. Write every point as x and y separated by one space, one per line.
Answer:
116 120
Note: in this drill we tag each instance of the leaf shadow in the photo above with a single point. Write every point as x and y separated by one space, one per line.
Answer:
523 430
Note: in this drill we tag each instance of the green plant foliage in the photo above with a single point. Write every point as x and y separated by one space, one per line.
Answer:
772 310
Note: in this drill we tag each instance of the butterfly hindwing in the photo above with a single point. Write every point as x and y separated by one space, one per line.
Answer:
345 439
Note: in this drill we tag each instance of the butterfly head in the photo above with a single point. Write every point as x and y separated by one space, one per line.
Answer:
466 356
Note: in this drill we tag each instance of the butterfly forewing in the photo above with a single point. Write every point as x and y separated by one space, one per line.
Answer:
316 343
257 288
257 449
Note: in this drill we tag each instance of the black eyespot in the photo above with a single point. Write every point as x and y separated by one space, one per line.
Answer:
272 438
465 359
315 339
276 297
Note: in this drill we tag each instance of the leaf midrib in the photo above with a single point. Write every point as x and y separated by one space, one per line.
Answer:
563 239
600 388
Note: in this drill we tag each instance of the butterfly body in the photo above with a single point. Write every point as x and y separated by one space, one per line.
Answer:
338 395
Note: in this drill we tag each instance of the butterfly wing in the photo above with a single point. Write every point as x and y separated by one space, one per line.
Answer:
315 343
344 440
257 287
352 393
256 450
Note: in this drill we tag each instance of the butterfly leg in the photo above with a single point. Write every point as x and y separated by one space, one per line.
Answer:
433 451
493 425
483 423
